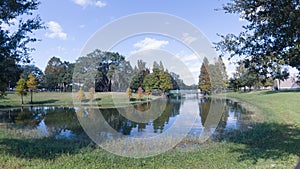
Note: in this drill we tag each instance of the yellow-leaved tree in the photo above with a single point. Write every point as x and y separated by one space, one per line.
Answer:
32 84
21 89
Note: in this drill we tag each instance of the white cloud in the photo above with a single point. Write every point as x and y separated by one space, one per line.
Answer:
191 58
56 31
100 4
82 26
149 43
85 3
186 37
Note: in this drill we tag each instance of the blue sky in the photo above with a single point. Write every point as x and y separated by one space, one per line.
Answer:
72 22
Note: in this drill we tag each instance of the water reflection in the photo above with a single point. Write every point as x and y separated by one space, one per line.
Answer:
58 122
62 122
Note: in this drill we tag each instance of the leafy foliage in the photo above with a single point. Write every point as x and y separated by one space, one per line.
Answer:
204 78
13 42
165 81
80 94
140 93
53 70
32 84
92 93
106 71
269 40
150 81
21 89
32 69
129 92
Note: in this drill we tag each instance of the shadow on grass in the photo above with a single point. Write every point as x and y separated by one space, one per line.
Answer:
280 91
267 141
43 148
45 101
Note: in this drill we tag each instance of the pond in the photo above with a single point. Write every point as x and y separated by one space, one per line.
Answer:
210 116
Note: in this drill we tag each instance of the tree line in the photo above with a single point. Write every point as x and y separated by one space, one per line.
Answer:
213 76
270 40
101 71
109 71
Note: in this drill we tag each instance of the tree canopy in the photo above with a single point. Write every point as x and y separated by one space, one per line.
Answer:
54 69
21 89
32 84
270 38
103 70
14 42
204 77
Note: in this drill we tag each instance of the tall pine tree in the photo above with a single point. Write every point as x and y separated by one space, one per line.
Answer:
204 78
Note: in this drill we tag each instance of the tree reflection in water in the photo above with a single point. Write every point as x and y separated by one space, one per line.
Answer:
156 118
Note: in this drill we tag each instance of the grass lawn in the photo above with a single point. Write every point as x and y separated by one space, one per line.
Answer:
273 106
273 142
104 99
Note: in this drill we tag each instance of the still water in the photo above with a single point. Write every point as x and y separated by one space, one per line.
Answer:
138 120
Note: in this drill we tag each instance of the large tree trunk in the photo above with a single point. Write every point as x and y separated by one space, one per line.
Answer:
22 102
31 93
64 87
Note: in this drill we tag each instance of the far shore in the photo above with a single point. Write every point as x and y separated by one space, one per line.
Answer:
99 100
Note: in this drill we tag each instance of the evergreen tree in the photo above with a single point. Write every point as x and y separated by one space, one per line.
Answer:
151 82
53 70
204 78
223 71
219 78
165 81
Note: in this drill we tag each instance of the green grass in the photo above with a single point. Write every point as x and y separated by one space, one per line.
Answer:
272 142
41 98
273 106
104 99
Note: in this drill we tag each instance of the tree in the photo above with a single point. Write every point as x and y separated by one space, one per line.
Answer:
204 78
65 76
219 78
21 89
52 73
246 77
271 37
140 93
138 78
80 94
32 69
139 75
129 92
102 70
151 81
14 42
223 71
32 84
177 82
165 81
92 93
147 92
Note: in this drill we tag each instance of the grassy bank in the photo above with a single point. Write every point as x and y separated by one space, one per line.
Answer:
273 106
105 99
273 142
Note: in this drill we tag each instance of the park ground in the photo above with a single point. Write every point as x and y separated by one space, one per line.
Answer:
272 142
